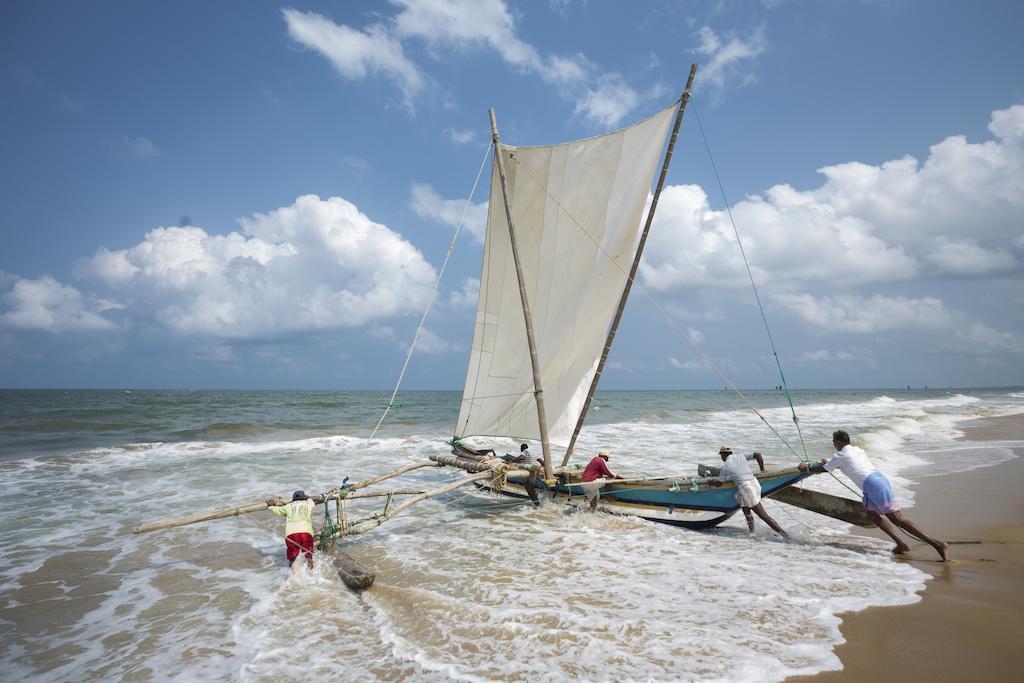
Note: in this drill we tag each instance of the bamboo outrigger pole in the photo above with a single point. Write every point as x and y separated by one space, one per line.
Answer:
538 392
374 522
256 507
633 269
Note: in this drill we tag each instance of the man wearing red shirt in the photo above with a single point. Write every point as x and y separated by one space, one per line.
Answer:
594 475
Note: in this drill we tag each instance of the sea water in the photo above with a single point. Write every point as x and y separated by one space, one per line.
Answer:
469 586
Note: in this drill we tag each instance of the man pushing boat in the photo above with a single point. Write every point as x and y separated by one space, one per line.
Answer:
593 477
879 500
298 528
748 488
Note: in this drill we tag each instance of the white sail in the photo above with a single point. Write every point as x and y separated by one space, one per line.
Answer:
565 200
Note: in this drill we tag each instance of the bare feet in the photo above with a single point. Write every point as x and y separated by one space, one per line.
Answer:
941 549
901 549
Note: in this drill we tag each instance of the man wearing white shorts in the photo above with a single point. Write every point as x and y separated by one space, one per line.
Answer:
748 488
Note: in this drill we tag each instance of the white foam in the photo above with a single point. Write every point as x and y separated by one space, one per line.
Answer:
474 590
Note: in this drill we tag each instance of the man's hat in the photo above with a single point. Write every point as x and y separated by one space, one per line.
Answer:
299 495
724 449
604 454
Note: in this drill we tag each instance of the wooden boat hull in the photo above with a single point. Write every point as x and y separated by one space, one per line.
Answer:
667 501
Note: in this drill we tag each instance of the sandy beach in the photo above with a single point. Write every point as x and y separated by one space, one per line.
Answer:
969 622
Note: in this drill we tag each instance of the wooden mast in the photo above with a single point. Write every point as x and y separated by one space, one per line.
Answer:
538 392
636 264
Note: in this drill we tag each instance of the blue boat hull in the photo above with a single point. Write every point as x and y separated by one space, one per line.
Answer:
689 503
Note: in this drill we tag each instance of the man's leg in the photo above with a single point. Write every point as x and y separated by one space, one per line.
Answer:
884 524
763 514
750 519
531 489
902 522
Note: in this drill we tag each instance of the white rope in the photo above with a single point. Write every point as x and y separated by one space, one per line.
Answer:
433 293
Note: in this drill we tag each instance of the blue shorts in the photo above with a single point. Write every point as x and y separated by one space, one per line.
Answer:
878 496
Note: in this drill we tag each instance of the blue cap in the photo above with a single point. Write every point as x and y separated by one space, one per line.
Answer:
299 495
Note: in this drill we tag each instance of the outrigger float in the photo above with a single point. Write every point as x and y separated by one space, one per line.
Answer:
561 253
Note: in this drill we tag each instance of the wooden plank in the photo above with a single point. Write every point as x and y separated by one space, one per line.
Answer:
845 509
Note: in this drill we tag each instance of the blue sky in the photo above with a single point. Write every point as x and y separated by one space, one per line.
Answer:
243 195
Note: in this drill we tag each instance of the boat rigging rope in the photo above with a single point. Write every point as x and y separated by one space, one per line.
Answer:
778 362
433 293
753 286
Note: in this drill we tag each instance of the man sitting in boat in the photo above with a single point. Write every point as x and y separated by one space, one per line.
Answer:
594 475
527 463
748 488
298 528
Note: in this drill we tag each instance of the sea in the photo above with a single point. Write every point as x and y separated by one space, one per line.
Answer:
469 586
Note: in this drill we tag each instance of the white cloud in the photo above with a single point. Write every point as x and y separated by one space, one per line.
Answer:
48 305
693 246
855 314
431 206
608 101
695 335
140 148
818 356
466 298
684 365
729 57
481 23
461 136
859 314
317 264
356 53
955 214
966 257
841 355
430 343
560 7
460 25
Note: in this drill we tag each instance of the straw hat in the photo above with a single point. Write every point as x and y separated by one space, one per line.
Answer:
724 449
604 454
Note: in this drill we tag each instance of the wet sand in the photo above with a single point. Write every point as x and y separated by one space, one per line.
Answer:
970 621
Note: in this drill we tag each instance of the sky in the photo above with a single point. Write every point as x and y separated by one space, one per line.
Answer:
252 195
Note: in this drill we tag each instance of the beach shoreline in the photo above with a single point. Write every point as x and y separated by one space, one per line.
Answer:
972 612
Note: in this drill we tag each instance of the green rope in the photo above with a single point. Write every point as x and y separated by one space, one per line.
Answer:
328 531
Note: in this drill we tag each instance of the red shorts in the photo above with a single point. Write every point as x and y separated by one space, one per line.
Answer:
297 543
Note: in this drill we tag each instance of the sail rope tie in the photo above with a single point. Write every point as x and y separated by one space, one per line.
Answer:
433 292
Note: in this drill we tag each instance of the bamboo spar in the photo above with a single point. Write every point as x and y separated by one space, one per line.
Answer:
256 507
377 521
633 269
538 392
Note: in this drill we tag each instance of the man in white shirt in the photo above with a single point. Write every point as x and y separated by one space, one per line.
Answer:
878 496
748 488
